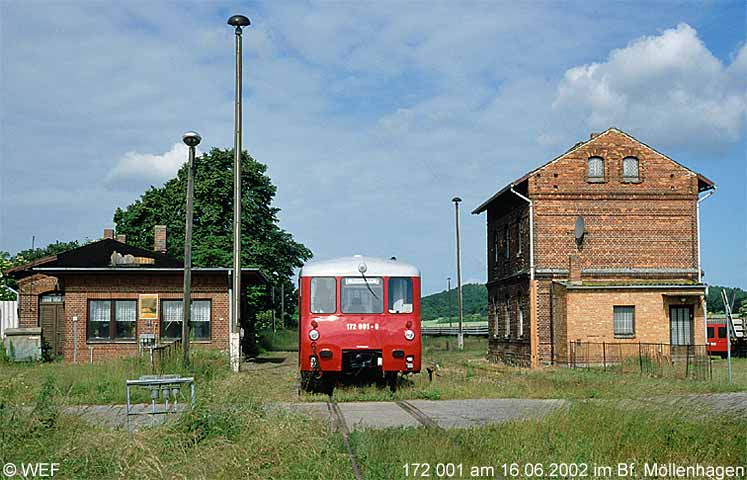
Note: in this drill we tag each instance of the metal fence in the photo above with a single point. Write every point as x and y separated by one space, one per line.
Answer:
8 316
655 359
475 330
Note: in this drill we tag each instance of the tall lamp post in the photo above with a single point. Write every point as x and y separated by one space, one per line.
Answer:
238 22
448 293
460 336
191 139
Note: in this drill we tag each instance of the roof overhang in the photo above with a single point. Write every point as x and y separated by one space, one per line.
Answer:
252 274
682 290
507 189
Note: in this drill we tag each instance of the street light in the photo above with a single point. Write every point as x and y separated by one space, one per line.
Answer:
191 139
460 337
238 22
448 293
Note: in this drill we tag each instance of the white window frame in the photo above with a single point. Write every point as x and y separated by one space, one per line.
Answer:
626 315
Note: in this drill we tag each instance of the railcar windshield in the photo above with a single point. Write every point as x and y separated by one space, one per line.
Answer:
400 295
323 295
362 295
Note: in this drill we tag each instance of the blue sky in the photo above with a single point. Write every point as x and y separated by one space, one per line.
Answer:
370 116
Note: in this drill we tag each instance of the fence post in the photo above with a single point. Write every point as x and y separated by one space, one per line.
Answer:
640 357
604 355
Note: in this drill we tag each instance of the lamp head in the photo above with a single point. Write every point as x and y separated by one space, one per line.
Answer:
239 21
456 199
192 139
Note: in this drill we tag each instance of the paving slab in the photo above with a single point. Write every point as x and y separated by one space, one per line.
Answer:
469 413
363 415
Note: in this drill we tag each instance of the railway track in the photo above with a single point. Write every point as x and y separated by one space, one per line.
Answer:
339 424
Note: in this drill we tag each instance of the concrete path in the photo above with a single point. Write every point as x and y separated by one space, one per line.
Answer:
113 416
432 413
468 413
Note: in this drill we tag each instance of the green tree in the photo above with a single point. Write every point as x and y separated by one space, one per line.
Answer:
263 243
52 249
716 304
474 302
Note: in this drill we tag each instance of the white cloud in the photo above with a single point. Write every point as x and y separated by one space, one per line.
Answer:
669 86
136 167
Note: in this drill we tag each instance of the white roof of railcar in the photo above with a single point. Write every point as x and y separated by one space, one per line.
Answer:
348 266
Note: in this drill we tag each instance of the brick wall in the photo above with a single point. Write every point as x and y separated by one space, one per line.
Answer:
80 289
645 228
649 224
29 290
508 297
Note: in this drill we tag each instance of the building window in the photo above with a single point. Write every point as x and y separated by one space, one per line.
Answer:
520 318
595 172
172 314
624 321
630 169
496 246
519 247
112 319
507 313
507 240
323 295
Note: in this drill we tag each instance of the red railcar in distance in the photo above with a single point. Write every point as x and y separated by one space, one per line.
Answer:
358 316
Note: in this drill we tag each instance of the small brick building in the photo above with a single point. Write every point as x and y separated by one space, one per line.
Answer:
100 300
598 245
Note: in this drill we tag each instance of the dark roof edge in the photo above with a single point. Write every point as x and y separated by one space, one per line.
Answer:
256 270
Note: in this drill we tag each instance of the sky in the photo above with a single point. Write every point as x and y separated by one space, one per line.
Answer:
370 116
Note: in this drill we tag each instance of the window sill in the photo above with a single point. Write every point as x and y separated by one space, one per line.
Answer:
632 180
126 342
191 341
625 337
595 180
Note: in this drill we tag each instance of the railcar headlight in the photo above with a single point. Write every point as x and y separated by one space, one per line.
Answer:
409 334
314 335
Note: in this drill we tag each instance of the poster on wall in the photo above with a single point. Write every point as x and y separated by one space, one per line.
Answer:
149 306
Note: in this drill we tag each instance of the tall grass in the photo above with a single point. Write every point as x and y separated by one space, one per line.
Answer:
592 433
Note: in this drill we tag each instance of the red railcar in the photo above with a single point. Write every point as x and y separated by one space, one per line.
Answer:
716 338
358 316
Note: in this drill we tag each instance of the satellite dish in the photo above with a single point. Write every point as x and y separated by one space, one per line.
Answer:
580 229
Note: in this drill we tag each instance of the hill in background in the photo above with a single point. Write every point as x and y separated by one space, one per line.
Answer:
475 299
474 304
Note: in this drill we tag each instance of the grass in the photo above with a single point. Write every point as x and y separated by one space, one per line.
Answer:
284 340
232 435
590 433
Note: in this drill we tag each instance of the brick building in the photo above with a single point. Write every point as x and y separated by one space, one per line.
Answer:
599 245
100 300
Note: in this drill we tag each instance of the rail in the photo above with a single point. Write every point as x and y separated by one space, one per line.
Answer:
481 330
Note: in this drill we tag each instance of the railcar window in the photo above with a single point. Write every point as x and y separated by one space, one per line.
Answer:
721 332
362 295
710 332
400 295
323 295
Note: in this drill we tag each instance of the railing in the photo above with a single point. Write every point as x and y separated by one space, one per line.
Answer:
656 359
472 330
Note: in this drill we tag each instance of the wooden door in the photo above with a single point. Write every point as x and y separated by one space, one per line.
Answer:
52 322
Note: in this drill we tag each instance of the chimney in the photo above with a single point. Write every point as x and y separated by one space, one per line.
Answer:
121 238
159 240
109 233
574 269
